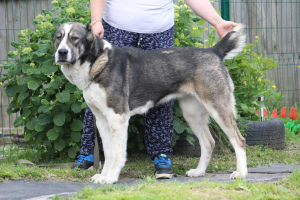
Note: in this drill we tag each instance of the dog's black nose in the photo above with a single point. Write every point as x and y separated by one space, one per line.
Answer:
63 52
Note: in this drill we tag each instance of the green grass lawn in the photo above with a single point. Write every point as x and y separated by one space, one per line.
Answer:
141 166
288 188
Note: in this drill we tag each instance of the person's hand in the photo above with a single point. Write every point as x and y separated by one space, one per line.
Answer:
225 27
98 28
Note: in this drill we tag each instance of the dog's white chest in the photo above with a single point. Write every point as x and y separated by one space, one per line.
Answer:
77 74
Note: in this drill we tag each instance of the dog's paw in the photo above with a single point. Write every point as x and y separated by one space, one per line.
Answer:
98 178
237 174
195 173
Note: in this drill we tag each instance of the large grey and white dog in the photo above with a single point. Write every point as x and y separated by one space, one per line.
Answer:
118 83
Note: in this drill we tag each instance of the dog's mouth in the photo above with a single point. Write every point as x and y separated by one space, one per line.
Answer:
63 62
62 57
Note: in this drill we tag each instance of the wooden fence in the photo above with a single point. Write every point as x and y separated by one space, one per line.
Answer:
275 22
15 15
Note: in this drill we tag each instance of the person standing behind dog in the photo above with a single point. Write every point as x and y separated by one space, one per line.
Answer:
147 25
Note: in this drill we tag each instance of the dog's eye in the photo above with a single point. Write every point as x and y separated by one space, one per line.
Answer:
58 37
74 38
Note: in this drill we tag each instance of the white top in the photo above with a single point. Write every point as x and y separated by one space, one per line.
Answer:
140 16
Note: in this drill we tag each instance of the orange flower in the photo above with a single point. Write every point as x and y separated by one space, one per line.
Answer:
283 112
256 112
265 113
274 113
293 113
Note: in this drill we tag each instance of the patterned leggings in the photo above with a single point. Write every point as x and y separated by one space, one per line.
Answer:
158 121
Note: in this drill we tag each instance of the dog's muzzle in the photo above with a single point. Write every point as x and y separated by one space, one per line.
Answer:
62 55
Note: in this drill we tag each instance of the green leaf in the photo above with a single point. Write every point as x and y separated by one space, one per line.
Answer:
201 22
77 125
45 102
76 107
43 49
59 144
59 119
22 96
27 136
193 24
58 128
70 87
244 107
25 112
39 127
27 69
189 131
190 139
11 90
63 96
185 18
44 119
76 136
33 85
177 110
72 152
22 80
179 126
44 109
18 122
83 105
198 32
48 67
17 44
52 134
31 125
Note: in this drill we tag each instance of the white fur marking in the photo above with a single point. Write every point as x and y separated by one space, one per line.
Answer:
77 74
107 45
171 97
63 43
142 109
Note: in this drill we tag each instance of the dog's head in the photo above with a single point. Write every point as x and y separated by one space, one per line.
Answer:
75 40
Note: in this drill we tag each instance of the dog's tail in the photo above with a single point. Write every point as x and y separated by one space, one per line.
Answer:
231 44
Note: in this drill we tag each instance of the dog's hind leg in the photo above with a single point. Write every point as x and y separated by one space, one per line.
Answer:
197 117
224 115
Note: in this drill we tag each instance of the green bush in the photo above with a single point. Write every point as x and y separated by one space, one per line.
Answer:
249 72
51 108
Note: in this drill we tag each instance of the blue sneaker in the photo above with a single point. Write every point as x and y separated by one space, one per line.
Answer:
84 162
163 166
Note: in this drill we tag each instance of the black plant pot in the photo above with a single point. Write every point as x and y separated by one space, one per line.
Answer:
269 133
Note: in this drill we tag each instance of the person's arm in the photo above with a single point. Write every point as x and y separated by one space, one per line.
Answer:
205 10
97 8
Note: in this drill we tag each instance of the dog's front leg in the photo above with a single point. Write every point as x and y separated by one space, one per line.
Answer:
104 131
114 139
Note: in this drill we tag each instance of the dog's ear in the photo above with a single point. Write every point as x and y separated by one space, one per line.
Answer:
89 28
89 36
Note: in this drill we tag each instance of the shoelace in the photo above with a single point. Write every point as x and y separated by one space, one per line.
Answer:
162 162
80 159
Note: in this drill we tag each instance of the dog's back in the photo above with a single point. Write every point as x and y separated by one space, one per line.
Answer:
148 75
